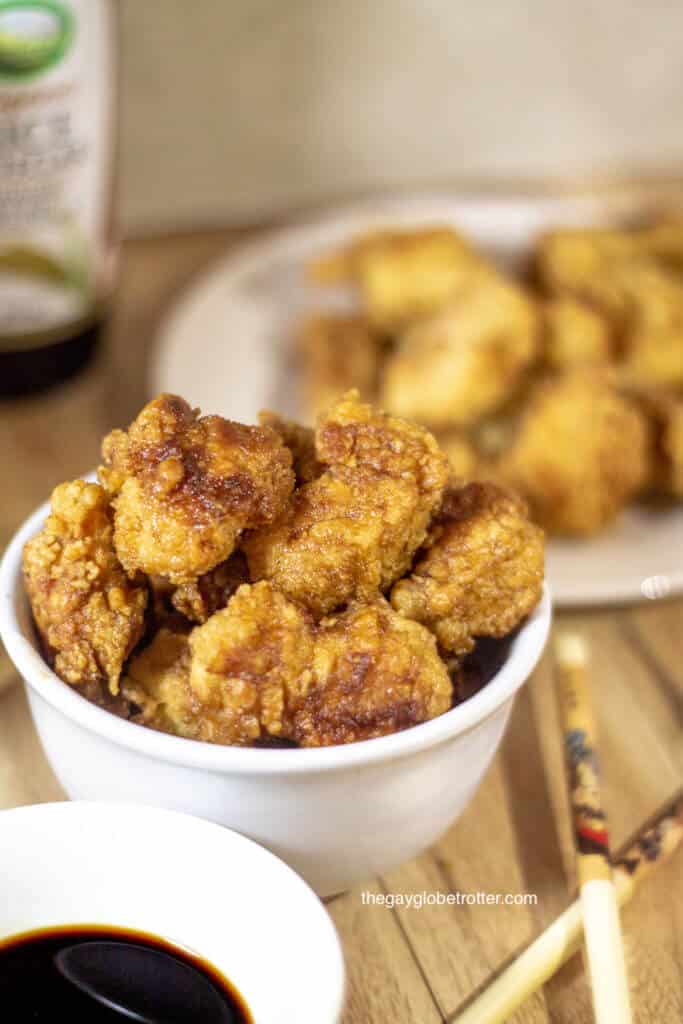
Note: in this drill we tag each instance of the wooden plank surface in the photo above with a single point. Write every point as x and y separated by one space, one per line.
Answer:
407 964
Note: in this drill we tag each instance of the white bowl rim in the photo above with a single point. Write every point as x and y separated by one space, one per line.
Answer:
524 654
327 940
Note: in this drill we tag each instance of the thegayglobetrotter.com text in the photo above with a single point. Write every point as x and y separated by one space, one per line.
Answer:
418 900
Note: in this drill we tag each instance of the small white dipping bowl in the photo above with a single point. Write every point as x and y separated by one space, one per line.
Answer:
337 815
201 887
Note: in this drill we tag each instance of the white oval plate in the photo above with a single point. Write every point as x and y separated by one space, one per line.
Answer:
227 347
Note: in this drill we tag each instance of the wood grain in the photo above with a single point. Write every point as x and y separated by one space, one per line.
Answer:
409 965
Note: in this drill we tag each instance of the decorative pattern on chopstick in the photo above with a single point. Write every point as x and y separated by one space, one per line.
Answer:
583 765
562 939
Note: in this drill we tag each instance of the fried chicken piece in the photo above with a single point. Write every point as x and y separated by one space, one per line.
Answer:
580 453
250 665
634 279
482 572
461 454
374 673
652 339
355 435
157 685
199 600
402 274
88 614
574 335
580 262
664 413
355 529
301 442
340 352
185 488
234 679
409 274
467 360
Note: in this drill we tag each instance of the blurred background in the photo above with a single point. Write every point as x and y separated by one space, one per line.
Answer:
234 112
190 130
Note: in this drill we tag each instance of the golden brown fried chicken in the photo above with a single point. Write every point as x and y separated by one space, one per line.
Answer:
580 262
664 413
402 274
461 454
339 352
580 453
250 665
209 593
409 274
574 335
185 488
157 685
89 615
374 673
465 361
482 572
355 529
233 680
652 335
301 442
634 279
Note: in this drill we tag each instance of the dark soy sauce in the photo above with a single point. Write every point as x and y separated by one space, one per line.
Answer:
34 989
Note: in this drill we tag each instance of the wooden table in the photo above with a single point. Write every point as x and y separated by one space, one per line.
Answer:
408 965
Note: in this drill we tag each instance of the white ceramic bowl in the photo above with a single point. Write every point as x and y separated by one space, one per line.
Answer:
337 815
201 887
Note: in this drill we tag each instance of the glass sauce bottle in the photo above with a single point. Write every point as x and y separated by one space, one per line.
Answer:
57 145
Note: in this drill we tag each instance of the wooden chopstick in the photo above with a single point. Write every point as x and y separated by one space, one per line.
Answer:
562 939
602 928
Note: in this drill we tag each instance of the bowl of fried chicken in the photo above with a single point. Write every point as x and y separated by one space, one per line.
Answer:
313 636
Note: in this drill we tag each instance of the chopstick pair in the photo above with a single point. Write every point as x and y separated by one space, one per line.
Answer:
562 939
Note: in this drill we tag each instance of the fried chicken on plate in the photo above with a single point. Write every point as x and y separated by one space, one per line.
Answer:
450 369
579 454
340 351
402 274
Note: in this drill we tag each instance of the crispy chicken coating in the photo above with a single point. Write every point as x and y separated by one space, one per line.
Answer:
301 442
185 488
233 680
250 664
402 274
260 669
339 352
157 685
88 614
198 601
465 361
374 673
482 572
574 335
355 529
580 453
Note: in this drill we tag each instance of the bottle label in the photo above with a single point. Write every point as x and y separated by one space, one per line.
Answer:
56 131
